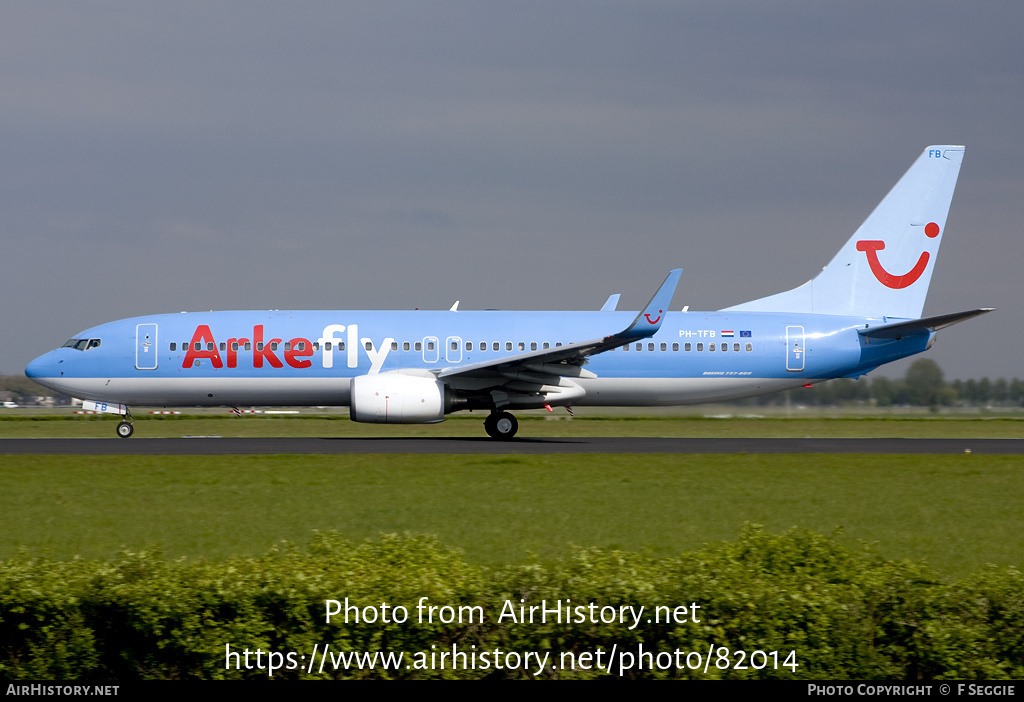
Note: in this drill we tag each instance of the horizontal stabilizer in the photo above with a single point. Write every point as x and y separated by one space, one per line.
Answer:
899 330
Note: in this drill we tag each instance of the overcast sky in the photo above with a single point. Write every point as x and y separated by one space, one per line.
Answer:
167 156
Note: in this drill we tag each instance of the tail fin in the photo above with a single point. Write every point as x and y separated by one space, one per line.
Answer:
886 266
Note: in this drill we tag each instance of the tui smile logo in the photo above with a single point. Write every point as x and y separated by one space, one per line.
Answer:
896 282
655 320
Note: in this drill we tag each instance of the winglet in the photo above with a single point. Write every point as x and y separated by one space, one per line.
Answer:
648 322
611 303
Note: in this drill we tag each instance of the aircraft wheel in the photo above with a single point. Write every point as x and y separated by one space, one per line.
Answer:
501 425
124 430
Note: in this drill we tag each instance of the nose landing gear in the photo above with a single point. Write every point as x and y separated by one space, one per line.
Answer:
125 427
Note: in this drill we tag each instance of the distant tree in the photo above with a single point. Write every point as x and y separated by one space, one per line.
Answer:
970 391
885 391
1017 391
984 392
958 389
1000 391
926 386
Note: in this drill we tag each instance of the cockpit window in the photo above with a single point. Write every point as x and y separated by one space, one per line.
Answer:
82 344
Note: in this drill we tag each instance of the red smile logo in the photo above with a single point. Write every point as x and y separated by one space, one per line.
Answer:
655 320
871 249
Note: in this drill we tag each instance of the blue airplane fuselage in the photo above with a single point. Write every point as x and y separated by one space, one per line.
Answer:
238 357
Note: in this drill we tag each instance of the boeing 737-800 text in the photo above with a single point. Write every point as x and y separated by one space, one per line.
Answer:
862 310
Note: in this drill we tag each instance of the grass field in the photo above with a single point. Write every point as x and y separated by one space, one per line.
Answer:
719 422
956 512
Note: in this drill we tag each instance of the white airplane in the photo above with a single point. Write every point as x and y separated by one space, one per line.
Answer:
862 310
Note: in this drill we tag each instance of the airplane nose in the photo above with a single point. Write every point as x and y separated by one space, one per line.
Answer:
43 367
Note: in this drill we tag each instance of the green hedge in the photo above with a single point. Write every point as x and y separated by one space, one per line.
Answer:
846 614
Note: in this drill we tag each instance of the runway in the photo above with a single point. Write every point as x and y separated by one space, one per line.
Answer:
208 446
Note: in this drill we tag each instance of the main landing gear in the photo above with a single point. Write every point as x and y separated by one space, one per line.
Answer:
501 425
126 427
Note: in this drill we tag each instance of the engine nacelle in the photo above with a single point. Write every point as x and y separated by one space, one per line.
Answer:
394 398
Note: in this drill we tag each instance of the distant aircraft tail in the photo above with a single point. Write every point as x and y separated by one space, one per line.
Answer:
886 266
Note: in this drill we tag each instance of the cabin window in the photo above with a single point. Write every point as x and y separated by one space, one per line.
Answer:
700 346
418 346
287 346
522 345
650 346
483 345
749 347
495 346
394 345
639 346
223 346
327 346
626 347
508 345
234 345
736 347
259 346
546 345
405 345
675 346
664 346
687 346
301 346
174 346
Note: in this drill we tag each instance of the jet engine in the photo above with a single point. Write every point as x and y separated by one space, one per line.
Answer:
396 398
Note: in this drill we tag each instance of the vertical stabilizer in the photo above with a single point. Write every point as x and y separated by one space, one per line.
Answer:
886 266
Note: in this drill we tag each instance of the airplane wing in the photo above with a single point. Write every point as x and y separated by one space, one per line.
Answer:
546 371
899 330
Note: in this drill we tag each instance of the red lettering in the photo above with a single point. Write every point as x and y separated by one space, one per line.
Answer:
202 338
291 353
203 345
261 350
233 345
